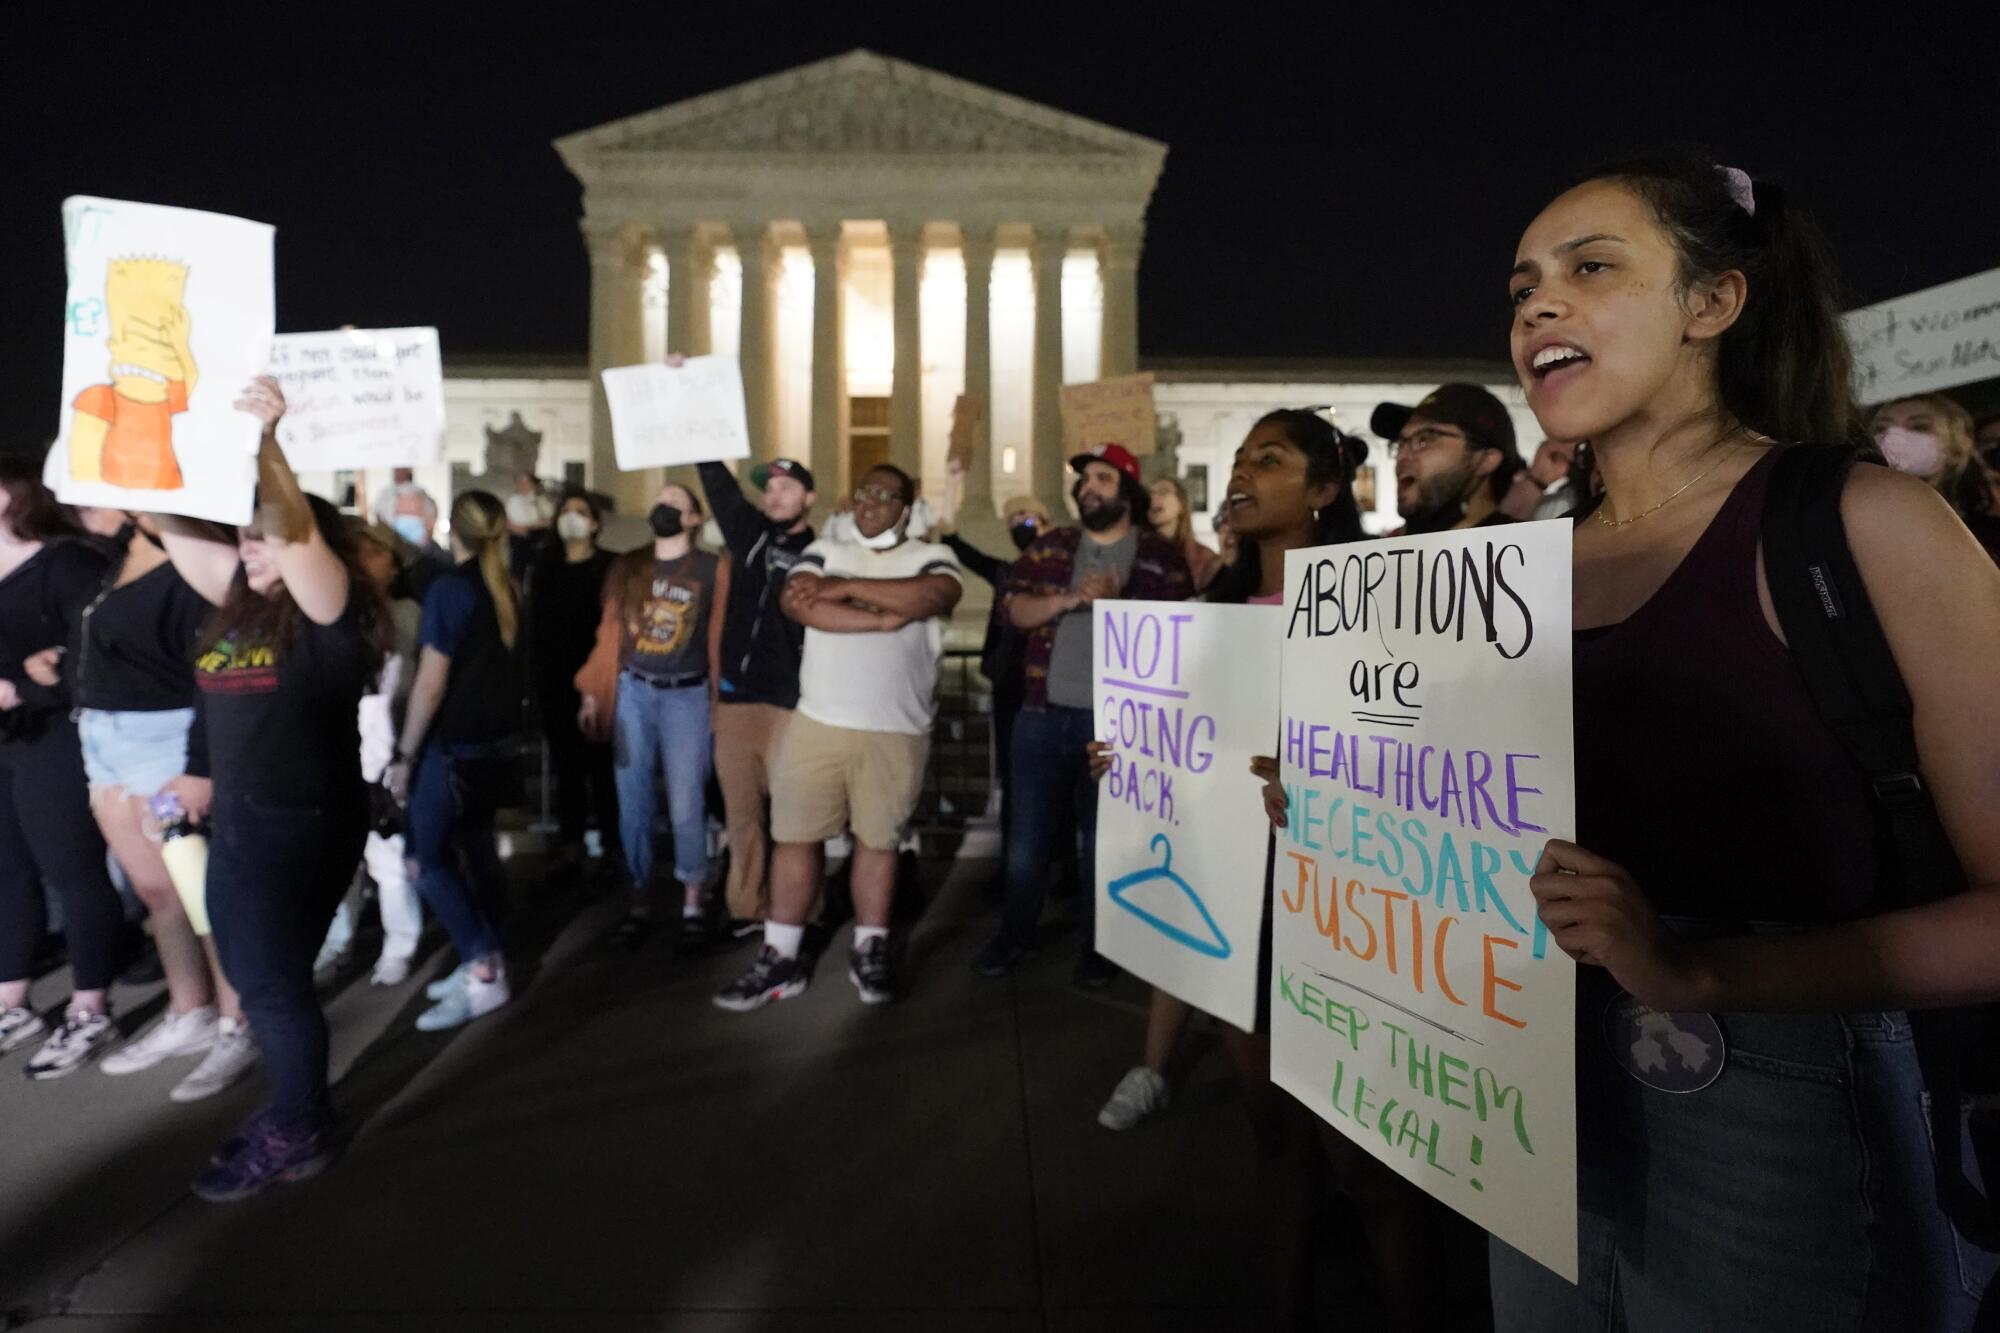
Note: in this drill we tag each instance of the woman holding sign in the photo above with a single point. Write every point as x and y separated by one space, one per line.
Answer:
1753 1139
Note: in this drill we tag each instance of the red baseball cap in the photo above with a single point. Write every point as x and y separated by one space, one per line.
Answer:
1117 455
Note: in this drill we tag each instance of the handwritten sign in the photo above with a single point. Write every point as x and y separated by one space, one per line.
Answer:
167 317
360 398
1928 340
664 416
966 414
1114 411
1181 832
1427 752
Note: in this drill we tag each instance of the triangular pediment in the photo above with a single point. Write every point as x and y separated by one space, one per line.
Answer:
858 105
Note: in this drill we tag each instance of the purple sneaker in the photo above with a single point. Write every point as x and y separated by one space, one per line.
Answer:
250 1129
268 1156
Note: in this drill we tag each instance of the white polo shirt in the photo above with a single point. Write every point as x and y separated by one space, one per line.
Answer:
875 680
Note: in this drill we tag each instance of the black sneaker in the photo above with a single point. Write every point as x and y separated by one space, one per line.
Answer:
868 967
744 927
771 977
1094 971
1001 956
694 929
146 969
633 930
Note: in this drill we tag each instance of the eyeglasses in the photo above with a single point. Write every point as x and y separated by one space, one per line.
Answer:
1422 440
880 495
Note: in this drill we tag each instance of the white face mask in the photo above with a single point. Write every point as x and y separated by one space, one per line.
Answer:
887 537
573 527
1915 452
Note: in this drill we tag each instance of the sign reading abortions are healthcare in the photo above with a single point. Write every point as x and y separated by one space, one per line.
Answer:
1929 340
167 318
1113 411
1427 752
1181 831
360 398
664 416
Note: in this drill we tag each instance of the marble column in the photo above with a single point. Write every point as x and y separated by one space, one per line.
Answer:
829 369
977 520
1118 264
906 393
617 277
757 350
1050 472
690 265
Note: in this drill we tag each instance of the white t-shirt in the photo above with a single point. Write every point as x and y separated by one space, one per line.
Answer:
876 680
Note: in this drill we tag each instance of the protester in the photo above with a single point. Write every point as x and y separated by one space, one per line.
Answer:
1455 458
758 675
414 516
1543 488
1049 597
380 553
1682 318
853 759
286 656
131 671
565 594
1930 437
450 763
383 507
529 514
659 647
48 575
1003 654
1172 519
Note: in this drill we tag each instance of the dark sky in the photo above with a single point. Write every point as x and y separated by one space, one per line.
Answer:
1353 189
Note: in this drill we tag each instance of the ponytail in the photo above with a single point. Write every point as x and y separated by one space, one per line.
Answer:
479 522
1784 369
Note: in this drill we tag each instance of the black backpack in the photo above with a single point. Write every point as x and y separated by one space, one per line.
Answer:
1858 690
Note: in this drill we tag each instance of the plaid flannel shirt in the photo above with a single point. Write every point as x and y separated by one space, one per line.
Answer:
1159 574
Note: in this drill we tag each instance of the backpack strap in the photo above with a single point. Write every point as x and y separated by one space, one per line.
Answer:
1850 671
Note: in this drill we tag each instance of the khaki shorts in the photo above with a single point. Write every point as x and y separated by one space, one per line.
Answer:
826 780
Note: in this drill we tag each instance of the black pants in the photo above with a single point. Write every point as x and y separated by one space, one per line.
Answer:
48 835
275 875
582 772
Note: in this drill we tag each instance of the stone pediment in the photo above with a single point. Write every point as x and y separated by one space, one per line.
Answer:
863 106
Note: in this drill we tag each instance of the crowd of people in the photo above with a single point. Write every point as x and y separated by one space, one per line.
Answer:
316 692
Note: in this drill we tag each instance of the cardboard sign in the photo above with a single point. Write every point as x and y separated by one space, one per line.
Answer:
167 318
665 416
1116 411
360 398
1928 340
1182 836
964 442
1428 753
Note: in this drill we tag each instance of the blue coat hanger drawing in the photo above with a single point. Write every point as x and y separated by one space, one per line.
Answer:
1214 945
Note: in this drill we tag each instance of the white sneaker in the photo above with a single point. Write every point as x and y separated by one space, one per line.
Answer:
390 971
1140 1095
473 999
231 1057
175 1035
18 1027
81 1036
446 984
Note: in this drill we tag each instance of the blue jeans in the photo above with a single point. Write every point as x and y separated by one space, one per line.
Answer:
662 731
451 810
1050 772
1794 1192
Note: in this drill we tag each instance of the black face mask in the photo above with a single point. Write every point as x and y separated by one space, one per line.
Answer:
1024 535
666 521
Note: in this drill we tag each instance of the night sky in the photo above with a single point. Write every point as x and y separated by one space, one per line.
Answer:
1344 190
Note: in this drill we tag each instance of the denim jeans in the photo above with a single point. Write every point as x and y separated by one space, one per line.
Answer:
275 875
662 731
452 799
1794 1192
1050 770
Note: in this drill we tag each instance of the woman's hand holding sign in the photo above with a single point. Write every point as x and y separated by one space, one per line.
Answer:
1597 915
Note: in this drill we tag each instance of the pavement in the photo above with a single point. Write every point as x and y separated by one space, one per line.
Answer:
611 1152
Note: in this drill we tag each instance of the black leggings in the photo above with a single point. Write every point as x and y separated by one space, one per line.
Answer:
48 835
584 783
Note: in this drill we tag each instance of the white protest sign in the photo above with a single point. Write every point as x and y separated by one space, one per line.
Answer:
1186 693
167 318
1928 340
360 398
664 416
1428 752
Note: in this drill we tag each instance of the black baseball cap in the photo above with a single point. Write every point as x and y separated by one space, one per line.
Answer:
760 476
1469 407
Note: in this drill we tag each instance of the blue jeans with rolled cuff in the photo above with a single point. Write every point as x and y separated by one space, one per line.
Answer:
662 730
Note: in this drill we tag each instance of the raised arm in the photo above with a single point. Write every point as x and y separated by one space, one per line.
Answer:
313 574
989 567
716 615
741 522
204 554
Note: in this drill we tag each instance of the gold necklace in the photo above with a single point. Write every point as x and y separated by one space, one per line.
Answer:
1621 522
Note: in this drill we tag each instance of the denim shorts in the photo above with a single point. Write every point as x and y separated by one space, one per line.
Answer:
141 752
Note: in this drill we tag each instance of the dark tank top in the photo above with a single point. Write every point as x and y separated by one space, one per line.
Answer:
1701 764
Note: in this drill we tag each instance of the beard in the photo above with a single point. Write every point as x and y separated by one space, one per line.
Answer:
1100 515
1440 500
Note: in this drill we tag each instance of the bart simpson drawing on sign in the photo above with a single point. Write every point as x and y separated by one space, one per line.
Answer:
124 431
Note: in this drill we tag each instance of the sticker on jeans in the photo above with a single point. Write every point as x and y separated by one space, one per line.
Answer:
1672 1052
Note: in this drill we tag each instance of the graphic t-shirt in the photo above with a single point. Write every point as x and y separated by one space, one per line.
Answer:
664 622
282 718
